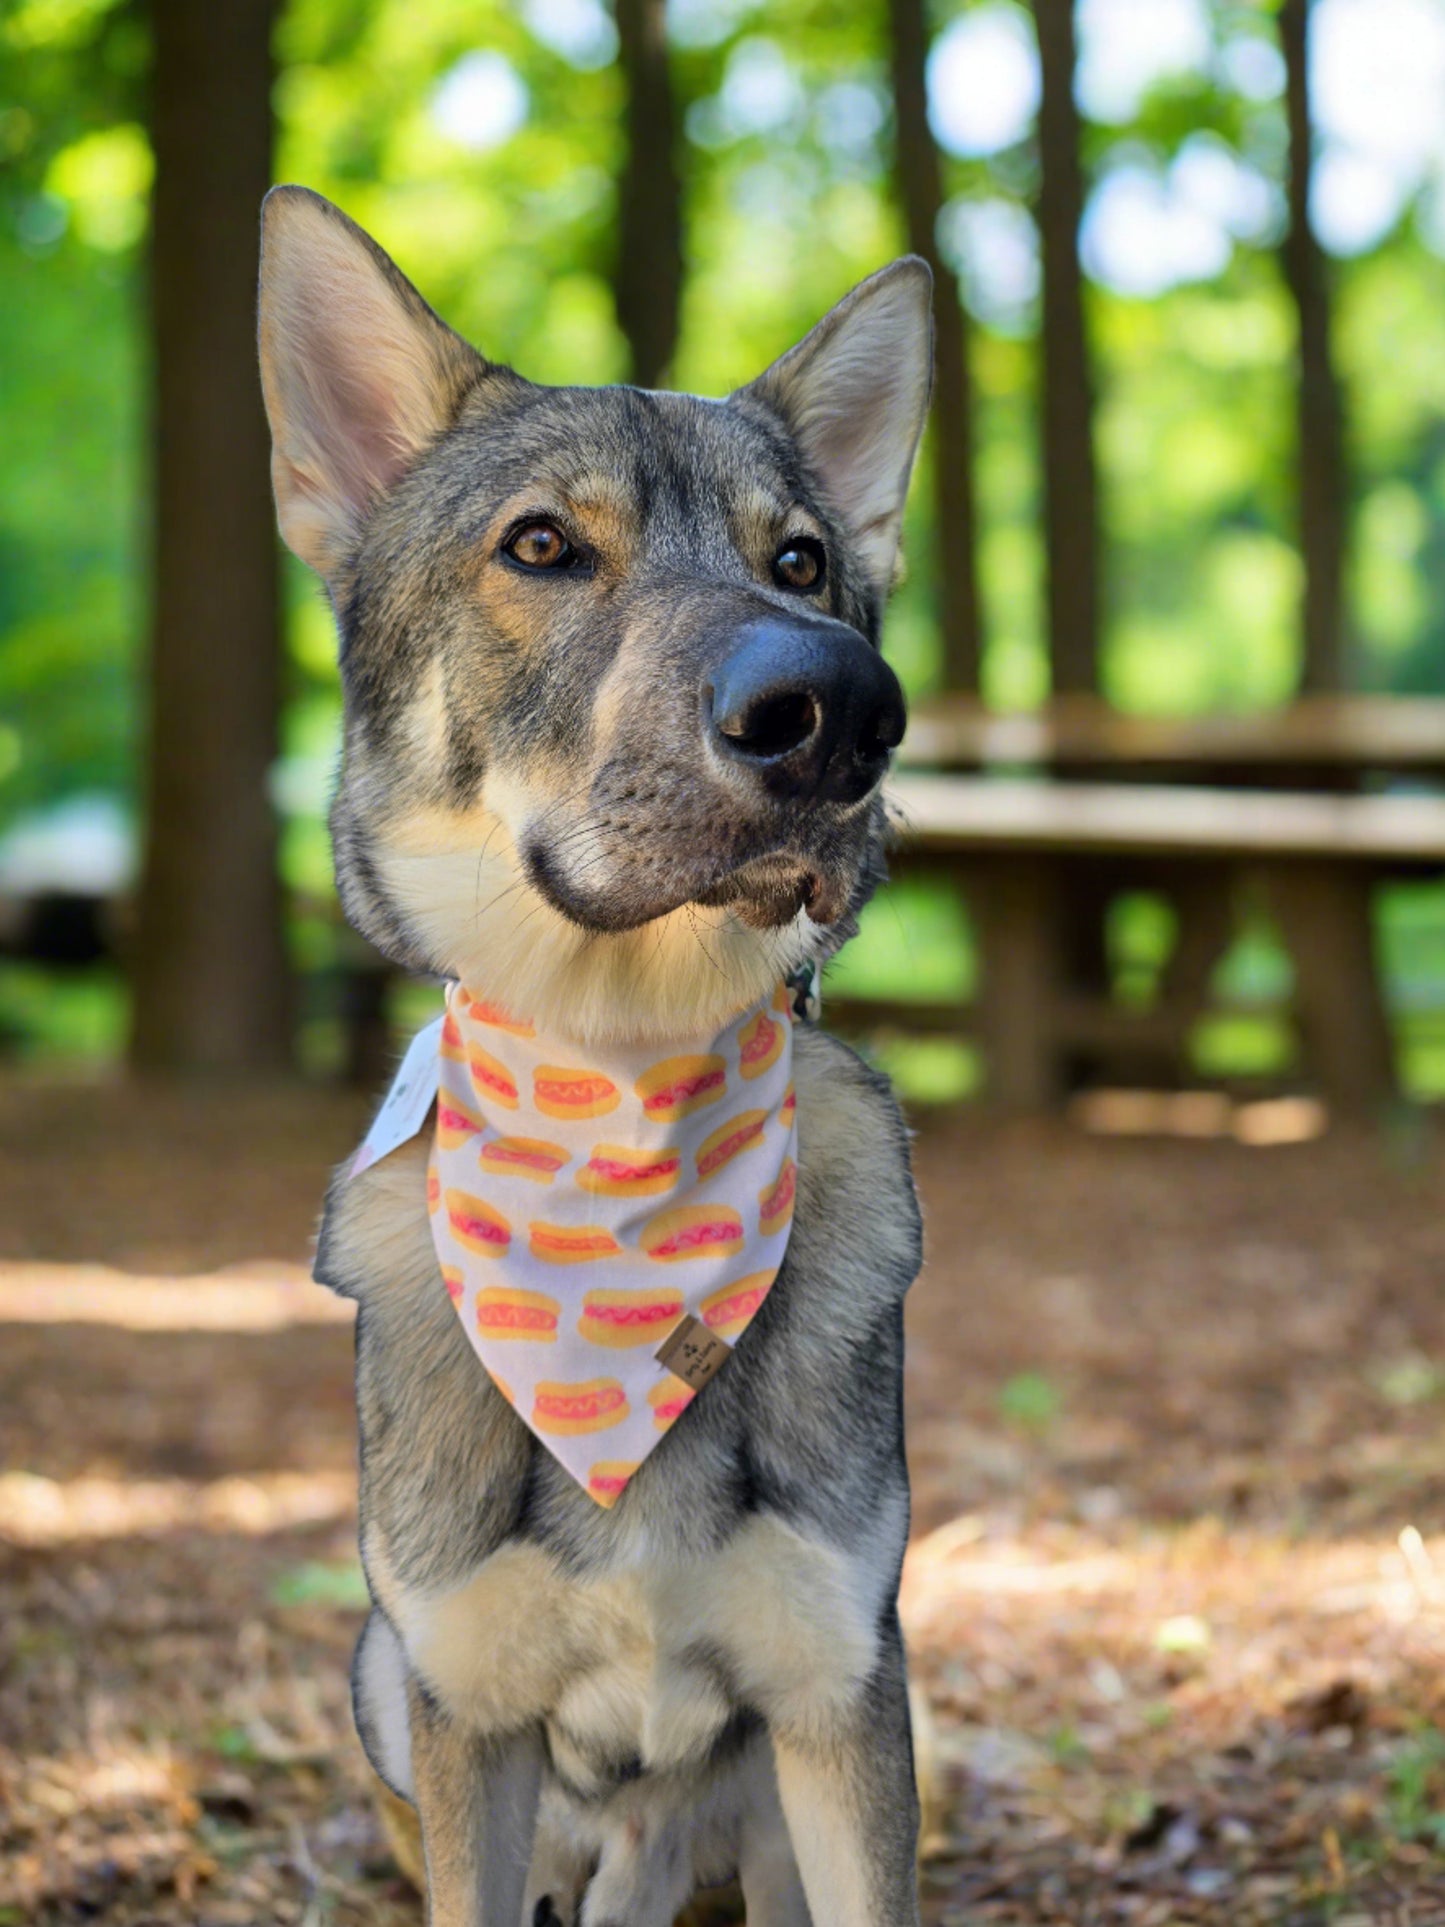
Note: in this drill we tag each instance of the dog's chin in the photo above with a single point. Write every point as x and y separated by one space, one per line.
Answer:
770 893
765 894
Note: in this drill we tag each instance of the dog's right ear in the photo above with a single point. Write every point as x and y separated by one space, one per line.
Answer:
359 375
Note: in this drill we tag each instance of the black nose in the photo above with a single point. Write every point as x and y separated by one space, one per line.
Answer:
809 706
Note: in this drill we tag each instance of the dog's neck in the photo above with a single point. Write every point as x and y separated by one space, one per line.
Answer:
684 975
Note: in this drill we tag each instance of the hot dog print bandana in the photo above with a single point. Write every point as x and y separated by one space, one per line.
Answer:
609 1220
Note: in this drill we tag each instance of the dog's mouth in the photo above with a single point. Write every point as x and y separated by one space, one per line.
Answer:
770 892
766 893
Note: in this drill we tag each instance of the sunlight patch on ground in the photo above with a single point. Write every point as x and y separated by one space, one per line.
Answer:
1156 1585
254 1298
1200 1114
37 1512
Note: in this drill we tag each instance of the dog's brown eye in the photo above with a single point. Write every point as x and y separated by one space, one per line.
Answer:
799 564
538 545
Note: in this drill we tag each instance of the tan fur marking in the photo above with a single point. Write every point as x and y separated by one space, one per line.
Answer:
501 1649
792 1615
679 976
521 1641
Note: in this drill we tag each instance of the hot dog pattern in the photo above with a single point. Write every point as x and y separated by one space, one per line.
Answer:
573 1094
571 1244
730 1310
476 1225
760 1044
567 1409
491 1079
617 1171
626 1317
573 1251
775 1202
525 1317
496 1018
533 1158
455 1123
669 1399
678 1086
693 1231
607 1480
718 1149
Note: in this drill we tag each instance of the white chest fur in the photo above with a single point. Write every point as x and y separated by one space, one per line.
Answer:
647 1663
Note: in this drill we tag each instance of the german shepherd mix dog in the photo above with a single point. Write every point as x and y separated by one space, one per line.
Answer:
615 725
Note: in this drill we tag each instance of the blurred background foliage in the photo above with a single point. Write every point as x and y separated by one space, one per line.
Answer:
481 143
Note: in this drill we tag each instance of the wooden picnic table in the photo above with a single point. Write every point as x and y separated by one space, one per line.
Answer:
1338 740
1041 819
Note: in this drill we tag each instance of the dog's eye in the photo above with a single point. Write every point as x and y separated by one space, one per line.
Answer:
538 545
800 564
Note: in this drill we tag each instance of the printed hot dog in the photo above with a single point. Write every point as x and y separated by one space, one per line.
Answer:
629 1317
776 1201
617 1171
506 1311
607 1480
455 1123
491 1079
589 1407
693 1231
571 1244
729 1311
760 1044
475 1224
681 1085
579 1094
669 1401
741 1133
525 1157
498 1019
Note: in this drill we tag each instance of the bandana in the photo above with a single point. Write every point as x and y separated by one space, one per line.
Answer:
608 1221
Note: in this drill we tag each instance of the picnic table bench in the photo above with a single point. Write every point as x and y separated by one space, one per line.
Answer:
1075 811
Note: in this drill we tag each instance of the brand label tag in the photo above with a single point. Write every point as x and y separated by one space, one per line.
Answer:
693 1353
404 1108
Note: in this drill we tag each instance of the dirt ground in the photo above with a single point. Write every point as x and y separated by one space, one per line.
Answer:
1176 1593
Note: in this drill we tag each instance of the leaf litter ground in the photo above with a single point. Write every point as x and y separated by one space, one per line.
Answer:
1176 1592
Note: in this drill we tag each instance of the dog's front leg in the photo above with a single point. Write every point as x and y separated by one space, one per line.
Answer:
847 1788
477 1800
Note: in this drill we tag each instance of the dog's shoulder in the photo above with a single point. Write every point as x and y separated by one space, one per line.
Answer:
374 1227
855 1175
444 1459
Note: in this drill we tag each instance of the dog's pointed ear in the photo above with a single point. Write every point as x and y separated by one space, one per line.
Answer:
855 392
359 375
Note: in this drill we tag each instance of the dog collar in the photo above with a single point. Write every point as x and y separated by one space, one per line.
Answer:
608 1221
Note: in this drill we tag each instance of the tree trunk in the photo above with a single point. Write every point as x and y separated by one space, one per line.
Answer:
1070 483
211 986
920 187
648 286
1319 413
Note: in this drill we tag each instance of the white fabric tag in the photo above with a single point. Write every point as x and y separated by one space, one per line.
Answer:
404 1108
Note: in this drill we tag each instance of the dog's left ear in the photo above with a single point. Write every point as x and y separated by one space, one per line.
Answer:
358 374
855 392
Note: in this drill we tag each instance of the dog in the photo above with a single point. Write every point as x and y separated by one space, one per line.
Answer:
615 723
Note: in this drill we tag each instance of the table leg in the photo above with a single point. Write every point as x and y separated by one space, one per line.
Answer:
1203 902
1324 913
1015 906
